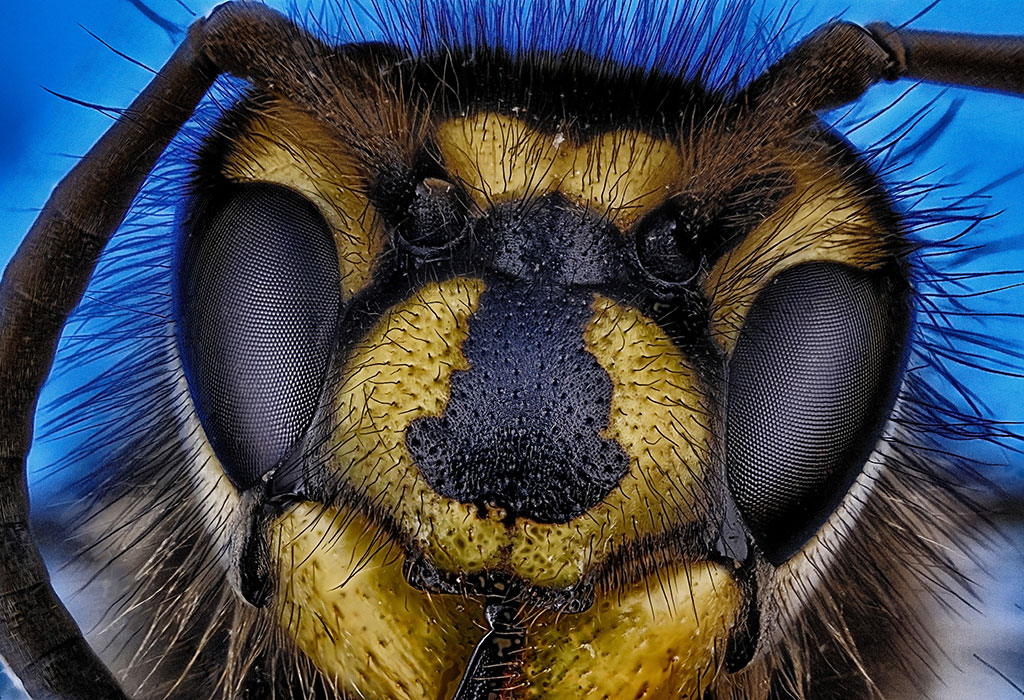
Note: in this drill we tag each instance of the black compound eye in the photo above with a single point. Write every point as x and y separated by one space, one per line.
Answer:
257 299
811 382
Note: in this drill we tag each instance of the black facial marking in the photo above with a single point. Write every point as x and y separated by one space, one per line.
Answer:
521 430
522 427
552 242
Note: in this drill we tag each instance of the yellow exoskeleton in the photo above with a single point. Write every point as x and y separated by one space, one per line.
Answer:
545 352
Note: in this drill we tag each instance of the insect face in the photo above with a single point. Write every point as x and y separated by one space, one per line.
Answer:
519 372
547 351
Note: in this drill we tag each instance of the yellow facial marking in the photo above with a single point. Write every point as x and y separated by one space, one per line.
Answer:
285 146
344 601
655 637
662 638
498 158
823 220
659 418
401 371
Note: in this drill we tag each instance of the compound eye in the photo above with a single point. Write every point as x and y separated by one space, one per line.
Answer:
811 383
257 302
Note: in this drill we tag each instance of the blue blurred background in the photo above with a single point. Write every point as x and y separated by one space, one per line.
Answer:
49 46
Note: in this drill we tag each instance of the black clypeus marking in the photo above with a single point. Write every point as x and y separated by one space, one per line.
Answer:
521 430
522 427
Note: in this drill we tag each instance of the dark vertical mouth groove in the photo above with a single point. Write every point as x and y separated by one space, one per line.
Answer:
494 660
746 633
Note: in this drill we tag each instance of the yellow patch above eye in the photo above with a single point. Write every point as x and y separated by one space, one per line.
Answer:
622 174
285 146
825 219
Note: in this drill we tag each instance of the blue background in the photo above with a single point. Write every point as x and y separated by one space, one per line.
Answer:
47 45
